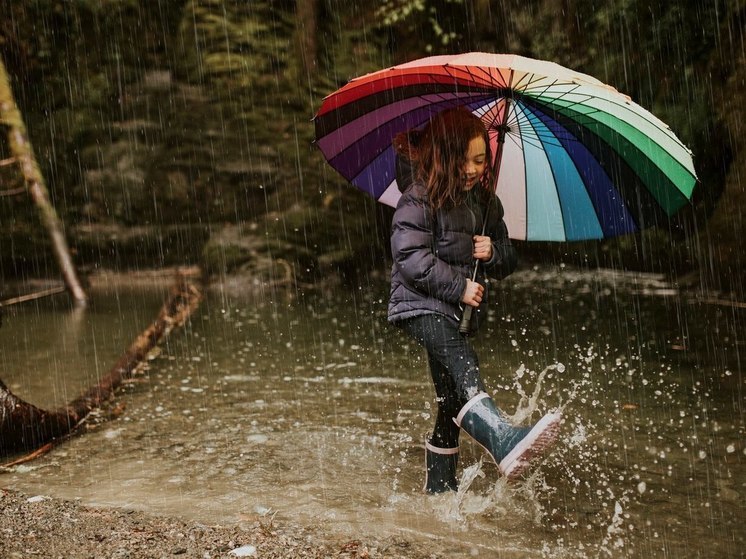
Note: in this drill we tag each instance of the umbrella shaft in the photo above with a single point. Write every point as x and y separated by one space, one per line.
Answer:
465 322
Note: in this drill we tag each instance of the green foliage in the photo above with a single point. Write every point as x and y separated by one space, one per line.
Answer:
436 25
414 13
237 48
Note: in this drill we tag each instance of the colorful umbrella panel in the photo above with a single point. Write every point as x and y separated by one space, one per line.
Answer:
580 160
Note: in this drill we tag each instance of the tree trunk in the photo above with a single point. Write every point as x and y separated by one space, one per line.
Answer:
24 427
23 152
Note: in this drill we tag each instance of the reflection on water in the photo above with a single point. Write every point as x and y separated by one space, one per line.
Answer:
316 410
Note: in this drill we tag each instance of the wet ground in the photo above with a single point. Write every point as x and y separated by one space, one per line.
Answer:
312 410
41 526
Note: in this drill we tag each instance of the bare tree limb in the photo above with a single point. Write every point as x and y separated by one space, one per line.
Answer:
23 152
31 296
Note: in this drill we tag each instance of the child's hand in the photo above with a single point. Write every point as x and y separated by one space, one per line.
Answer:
482 248
472 294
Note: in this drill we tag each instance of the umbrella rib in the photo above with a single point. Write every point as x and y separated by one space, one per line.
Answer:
666 130
483 72
589 114
536 139
513 122
566 93
455 101
496 84
581 103
432 108
331 121
586 97
673 184
531 131
518 87
494 118
514 138
469 71
543 88
529 134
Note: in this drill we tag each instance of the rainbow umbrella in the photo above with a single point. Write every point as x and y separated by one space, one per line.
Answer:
574 158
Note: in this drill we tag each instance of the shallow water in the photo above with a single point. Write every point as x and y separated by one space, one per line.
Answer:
315 410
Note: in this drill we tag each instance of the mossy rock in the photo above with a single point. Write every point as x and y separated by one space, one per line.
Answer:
228 248
119 247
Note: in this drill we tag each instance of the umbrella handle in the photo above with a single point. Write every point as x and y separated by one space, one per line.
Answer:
464 325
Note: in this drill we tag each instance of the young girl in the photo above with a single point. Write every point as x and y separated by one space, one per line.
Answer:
446 179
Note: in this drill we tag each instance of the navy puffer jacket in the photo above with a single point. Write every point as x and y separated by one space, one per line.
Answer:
432 255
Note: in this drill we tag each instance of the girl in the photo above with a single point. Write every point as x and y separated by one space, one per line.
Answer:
446 180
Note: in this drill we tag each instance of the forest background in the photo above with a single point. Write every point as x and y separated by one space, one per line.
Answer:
175 132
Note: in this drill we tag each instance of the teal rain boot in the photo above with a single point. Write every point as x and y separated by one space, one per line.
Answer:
512 448
440 469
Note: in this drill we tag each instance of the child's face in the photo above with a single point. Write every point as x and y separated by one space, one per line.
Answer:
476 159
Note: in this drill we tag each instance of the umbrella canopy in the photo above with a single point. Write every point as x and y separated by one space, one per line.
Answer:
579 160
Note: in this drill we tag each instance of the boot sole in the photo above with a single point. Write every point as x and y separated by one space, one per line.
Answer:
532 446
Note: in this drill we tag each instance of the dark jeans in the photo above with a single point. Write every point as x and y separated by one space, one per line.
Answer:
454 367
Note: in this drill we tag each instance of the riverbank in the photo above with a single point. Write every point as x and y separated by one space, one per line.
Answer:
42 526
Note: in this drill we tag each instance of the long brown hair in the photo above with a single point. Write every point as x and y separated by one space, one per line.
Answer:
438 153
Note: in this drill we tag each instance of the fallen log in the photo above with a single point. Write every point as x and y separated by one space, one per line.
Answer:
26 428
12 192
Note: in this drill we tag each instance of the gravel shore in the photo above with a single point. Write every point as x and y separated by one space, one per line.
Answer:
39 526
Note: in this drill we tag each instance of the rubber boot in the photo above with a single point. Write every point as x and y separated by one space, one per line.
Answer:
512 448
440 469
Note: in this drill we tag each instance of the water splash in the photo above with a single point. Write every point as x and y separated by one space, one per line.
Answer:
576 471
529 404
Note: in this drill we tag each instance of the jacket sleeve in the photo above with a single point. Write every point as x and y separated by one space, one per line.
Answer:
504 257
412 250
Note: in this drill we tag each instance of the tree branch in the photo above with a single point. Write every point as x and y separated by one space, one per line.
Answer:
24 427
